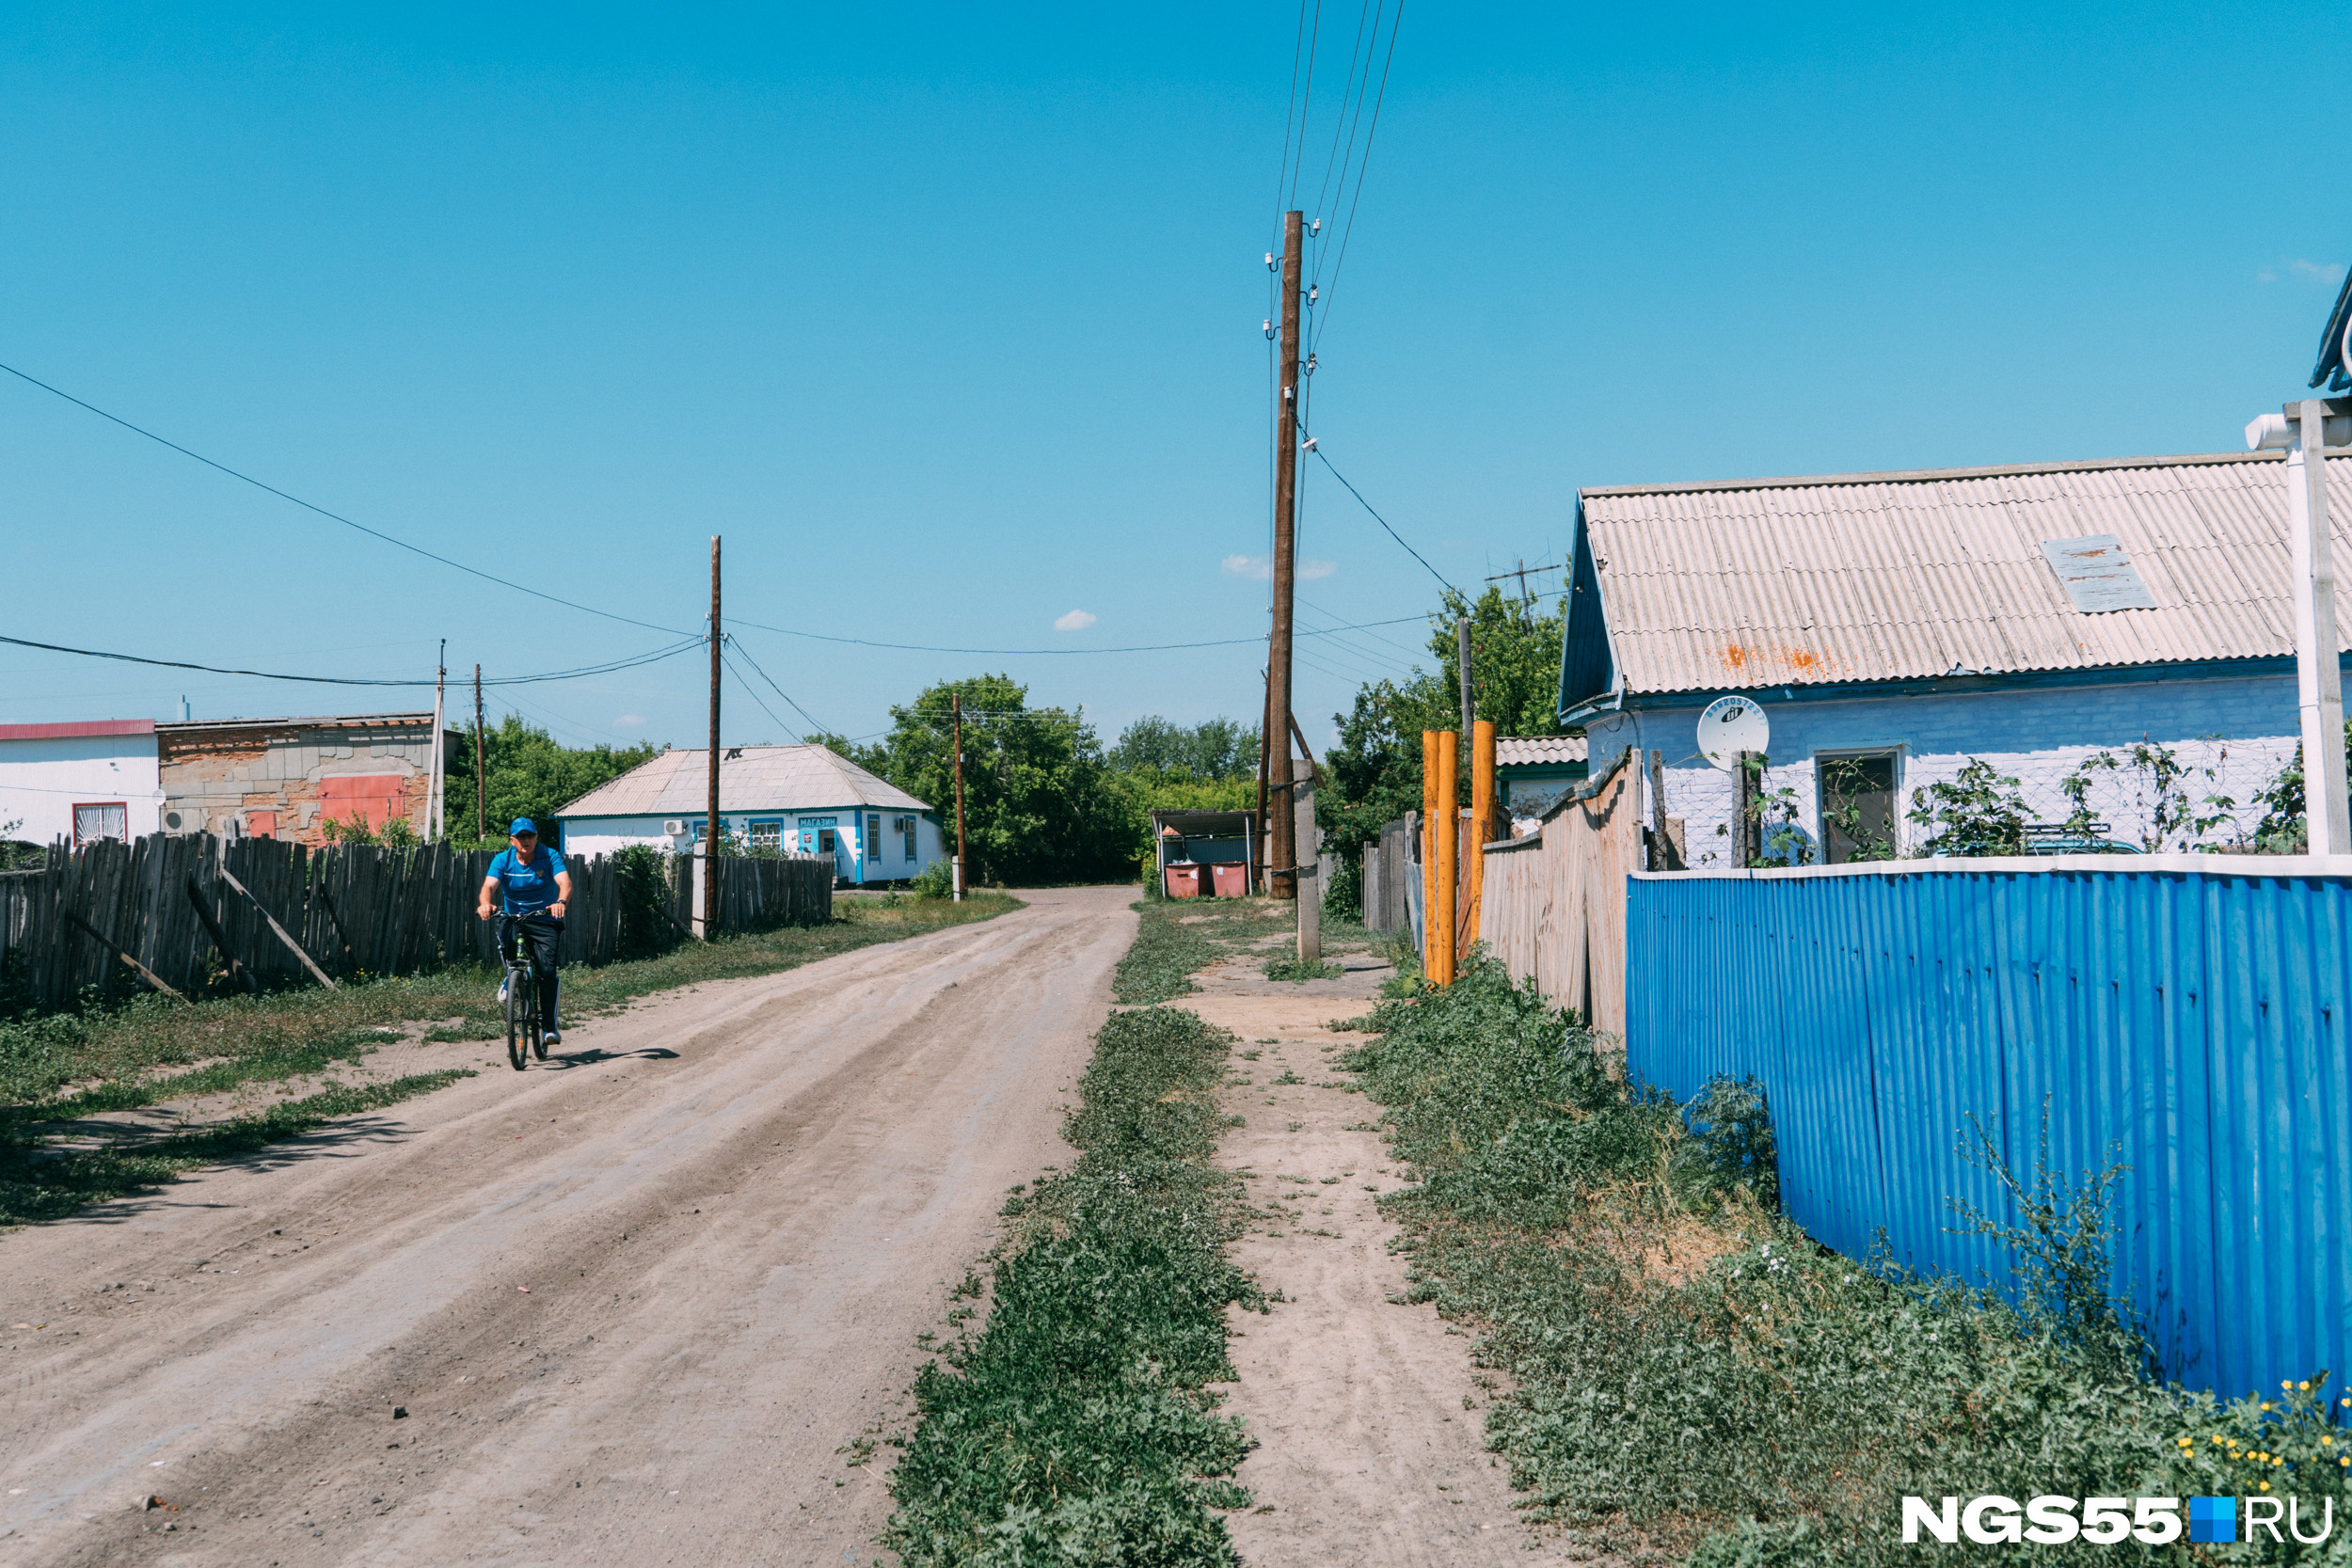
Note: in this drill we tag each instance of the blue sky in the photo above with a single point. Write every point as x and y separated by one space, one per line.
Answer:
948 319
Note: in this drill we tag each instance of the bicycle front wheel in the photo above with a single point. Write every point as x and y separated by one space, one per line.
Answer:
517 1011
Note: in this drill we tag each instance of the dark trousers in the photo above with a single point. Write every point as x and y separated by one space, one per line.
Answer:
538 933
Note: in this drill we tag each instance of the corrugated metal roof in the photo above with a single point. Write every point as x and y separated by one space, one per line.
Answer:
1533 749
1750 583
77 728
761 778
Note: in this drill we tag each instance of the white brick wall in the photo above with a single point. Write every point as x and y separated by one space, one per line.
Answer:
2234 732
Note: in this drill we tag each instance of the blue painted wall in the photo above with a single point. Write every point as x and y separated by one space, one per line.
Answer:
2235 731
2195 1018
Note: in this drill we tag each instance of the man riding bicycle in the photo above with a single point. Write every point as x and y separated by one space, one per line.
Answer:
531 888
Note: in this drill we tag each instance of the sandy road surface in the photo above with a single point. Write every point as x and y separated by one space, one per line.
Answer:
728 1252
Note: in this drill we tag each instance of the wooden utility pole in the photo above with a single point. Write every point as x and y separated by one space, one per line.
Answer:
954 705
1282 880
481 789
711 825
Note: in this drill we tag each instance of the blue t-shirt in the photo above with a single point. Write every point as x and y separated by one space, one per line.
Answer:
526 886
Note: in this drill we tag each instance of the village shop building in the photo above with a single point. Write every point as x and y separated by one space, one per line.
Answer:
72 782
1894 626
793 799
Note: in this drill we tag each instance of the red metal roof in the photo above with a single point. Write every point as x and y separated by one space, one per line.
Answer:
88 726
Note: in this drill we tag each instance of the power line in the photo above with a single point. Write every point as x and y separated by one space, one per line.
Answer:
1146 648
1340 120
606 669
771 681
1314 44
754 695
1393 533
1349 229
332 517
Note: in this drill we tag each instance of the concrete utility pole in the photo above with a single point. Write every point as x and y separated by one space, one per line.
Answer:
2304 430
1462 662
481 785
1282 879
1310 871
711 825
955 707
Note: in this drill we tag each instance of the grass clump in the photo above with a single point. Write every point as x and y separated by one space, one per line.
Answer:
1299 970
1075 1426
38 1183
1179 936
1690 1374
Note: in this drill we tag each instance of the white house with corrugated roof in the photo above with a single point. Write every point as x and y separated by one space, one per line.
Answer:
798 800
1892 627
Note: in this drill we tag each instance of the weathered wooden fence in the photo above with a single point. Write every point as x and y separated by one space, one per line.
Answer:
279 913
756 893
1554 901
1392 871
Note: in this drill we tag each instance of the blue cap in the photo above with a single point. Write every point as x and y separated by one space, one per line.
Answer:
522 825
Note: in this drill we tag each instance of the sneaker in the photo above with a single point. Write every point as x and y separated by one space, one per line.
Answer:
554 1037
502 994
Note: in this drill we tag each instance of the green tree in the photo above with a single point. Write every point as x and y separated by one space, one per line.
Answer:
1040 803
1213 748
1373 776
529 775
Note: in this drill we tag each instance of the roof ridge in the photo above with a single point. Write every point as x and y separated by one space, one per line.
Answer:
1907 476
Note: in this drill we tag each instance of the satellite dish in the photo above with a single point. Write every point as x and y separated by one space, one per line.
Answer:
1729 726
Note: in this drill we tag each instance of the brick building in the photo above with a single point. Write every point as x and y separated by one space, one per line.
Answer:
1893 627
281 778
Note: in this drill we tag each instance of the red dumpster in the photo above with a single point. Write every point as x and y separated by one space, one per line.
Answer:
1233 879
1187 882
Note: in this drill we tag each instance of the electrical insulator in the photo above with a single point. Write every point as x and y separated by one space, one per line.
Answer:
1269 260
1310 364
1316 228
1312 293
1267 327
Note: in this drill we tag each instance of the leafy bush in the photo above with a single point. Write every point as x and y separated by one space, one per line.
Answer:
647 925
1688 1370
1075 1426
938 881
1976 812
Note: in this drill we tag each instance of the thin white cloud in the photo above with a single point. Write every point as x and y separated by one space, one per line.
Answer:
1259 569
2328 273
631 719
1078 620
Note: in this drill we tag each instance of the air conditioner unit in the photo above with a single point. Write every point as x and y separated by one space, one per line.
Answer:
674 828
906 824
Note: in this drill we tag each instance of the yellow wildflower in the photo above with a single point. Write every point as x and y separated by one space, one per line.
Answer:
2265 1486
2305 1386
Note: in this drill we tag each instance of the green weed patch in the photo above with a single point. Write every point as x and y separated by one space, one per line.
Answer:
36 1183
1691 1375
1180 936
1075 1426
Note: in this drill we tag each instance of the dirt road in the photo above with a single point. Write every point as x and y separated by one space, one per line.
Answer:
632 1308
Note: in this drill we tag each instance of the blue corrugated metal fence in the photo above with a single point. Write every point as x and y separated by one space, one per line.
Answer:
2187 1012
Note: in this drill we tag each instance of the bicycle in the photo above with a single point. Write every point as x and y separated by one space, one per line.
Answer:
524 1029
